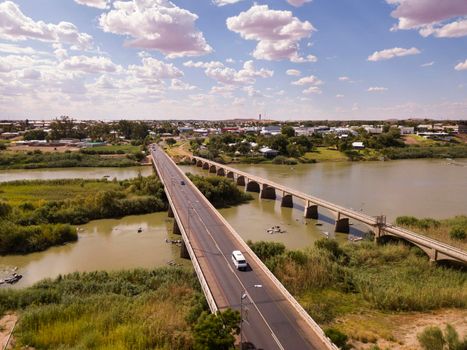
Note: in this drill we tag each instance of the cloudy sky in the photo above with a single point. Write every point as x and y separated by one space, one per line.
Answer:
220 59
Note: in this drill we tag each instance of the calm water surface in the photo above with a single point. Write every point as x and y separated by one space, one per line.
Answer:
424 188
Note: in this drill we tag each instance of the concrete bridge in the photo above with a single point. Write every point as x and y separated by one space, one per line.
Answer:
267 189
272 318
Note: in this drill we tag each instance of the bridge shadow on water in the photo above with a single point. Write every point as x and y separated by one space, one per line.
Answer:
323 218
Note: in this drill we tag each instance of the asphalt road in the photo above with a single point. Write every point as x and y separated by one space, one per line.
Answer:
270 321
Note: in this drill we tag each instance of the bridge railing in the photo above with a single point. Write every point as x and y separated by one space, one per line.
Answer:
199 272
321 202
441 247
301 311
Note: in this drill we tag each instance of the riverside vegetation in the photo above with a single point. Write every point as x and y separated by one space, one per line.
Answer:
343 287
452 231
139 309
35 215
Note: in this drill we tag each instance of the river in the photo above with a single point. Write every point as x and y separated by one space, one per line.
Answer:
424 188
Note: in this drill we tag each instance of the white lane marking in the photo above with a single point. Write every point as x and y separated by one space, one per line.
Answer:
241 283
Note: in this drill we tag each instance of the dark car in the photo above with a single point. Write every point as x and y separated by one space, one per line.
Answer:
182 182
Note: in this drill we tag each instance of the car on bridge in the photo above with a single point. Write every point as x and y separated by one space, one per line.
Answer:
239 260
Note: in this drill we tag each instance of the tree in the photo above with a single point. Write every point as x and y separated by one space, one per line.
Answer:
216 331
35 135
171 141
288 131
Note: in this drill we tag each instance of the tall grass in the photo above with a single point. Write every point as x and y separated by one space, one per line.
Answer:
140 309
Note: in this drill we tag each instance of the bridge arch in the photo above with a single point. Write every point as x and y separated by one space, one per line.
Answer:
230 175
212 169
241 180
199 163
389 238
268 192
253 186
220 172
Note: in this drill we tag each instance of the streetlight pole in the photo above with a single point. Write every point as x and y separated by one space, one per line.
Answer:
243 295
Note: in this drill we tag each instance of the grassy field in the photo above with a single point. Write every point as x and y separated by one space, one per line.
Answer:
419 140
324 154
39 191
437 229
139 309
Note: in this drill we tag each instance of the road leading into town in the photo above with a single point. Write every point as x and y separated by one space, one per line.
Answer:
271 320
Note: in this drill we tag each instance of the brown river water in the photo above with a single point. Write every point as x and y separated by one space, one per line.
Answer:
423 188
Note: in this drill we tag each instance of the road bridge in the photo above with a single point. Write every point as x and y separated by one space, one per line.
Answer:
268 190
274 319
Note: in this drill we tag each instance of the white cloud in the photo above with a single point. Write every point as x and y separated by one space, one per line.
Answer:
377 89
461 66
293 72
428 16
89 64
297 3
225 2
311 80
340 96
100 4
391 53
156 25
230 60
153 69
428 64
344 78
206 65
229 76
15 26
278 33
312 90
454 29
178 85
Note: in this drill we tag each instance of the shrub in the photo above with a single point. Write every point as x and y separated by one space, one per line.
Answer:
338 338
431 339
266 250
458 233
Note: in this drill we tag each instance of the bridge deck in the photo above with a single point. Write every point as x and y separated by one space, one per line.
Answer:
274 319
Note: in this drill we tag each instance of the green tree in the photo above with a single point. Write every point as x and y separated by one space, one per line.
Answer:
216 331
288 131
35 135
171 141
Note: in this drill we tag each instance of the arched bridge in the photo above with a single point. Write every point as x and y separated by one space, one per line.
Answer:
273 319
434 249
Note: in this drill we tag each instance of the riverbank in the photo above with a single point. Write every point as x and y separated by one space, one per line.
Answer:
41 160
355 289
137 309
452 231
34 215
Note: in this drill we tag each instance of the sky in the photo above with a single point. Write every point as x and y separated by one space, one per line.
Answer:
224 59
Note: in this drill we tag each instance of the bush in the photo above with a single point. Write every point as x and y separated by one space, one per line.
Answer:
338 338
431 339
458 233
266 250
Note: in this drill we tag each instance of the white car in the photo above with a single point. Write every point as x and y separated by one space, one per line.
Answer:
239 260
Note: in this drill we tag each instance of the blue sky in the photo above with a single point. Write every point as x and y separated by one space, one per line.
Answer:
221 59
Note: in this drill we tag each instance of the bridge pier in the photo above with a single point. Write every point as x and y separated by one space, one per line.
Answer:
212 169
342 224
241 180
433 255
287 201
220 172
253 186
311 211
184 251
268 192
170 212
176 229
